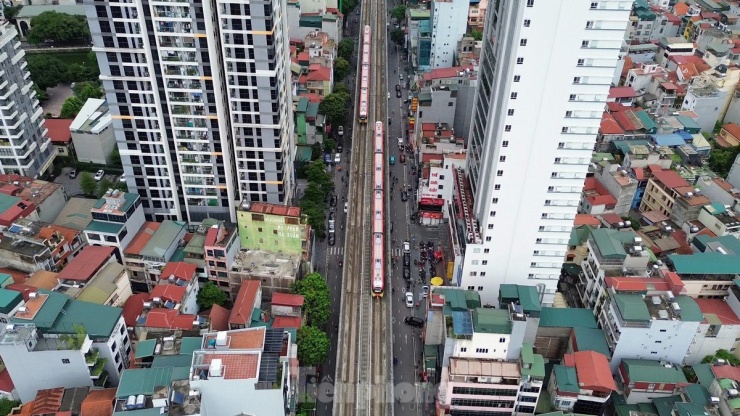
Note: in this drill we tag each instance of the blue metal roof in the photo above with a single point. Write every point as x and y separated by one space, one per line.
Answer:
462 323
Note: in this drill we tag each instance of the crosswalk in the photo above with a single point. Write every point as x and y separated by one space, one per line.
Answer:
336 250
396 252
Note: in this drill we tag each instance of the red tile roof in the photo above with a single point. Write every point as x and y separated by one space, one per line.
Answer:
235 366
48 401
592 369
178 269
639 173
59 129
688 70
621 92
733 129
169 292
287 322
6 383
23 289
669 178
87 262
611 218
133 307
718 308
241 313
98 403
251 339
680 9
219 318
609 125
586 219
161 318
726 371
142 237
322 73
17 275
624 121
20 209
440 73
636 284
274 209
596 193
286 299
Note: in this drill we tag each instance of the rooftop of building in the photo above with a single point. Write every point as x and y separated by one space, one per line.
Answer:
32 250
597 194
260 263
717 256
456 299
142 238
58 401
653 372
454 72
590 339
93 117
135 381
274 209
100 289
106 227
622 92
484 368
717 312
56 313
614 244
9 299
166 344
287 299
567 318
526 296
163 238
174 271
241 313
168 293
115 201
668 178
634 307
592 369
86 263
33 11
165 317
76 213
98 403
29 189
197 241
59 130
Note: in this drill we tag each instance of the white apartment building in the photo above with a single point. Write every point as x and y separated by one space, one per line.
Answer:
527 163
449 23
25 147
199 97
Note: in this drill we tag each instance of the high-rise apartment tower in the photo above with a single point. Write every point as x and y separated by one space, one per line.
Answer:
545 72
25 148
201 103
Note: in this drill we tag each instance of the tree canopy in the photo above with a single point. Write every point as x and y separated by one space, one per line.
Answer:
313 346
335 107
210 295
6 406
722 158
47 71
316 295
399 12
476 34
346 48
57 27
88 184
71 107
341 69
722 355
88 89
398 37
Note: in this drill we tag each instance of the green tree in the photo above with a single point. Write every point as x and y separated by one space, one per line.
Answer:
476 34
88 185
46 71
316 296
721 159
316 173
329 145
40 94
398 37
346 48
115 158
722 355
341 69
6 405
88 89
77 72
340 88
74 341
334 107
315 214
398 12
71 107
316 151
210 295
57 27
313 346
103 186
11 12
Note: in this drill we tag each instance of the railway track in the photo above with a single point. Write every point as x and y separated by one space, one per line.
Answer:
363 382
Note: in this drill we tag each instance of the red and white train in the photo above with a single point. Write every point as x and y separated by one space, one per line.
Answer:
365 76
378 249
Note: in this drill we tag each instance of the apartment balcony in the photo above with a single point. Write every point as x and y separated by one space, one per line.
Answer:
193 181
195 191
185 85
172 12
194 123
180 57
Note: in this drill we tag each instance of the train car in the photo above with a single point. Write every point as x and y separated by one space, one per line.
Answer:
364 102
378 249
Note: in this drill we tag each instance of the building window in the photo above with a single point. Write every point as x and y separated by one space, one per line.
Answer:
530 3
589 24
494 201
517 78
486 250
557 160
465 349
502 340
490 226
497 187
65 360
500 173
527 22
585 43
576 80
561 145
502 158
581 62
513 95
522 42
488 238
480 288
519 61
564 129
505 143
481 350
492 213
471 287
510 112
507 128
474 273
572 97
594 5
569 114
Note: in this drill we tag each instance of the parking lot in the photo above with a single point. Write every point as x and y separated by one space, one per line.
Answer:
72 186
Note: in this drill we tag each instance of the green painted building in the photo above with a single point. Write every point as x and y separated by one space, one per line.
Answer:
273 228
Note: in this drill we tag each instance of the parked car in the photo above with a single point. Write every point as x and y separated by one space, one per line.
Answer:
331 216
404 196
414 321
407 273
398 93
425 291
327 158
398 87
339 148
340 131
392 160
122 178
338 158
331 239
409 297
99 174
333 200
73 174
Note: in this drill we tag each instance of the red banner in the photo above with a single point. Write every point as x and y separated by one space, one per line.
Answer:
432 215
437 202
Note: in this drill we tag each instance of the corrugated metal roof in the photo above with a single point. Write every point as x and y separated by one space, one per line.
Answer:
163 239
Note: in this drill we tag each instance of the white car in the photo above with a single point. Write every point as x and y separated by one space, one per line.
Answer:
337 158
340 131
406 247
99 175
346 205
389 96
122 178
409 299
